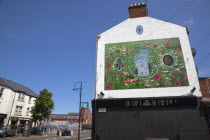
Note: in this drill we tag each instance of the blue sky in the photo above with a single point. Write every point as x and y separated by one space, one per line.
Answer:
49 43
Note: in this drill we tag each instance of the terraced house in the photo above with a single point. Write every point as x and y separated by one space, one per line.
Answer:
16 102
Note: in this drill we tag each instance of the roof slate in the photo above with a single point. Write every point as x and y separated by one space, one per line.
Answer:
17 87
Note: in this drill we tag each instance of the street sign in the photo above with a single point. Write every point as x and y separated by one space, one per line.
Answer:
71 123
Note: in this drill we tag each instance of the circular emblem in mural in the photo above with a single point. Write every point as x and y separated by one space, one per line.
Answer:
143 63
139 29
168 60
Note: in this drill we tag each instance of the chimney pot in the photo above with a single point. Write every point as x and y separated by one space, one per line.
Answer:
137 10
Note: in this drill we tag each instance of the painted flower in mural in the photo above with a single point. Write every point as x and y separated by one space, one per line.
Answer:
181 70
108 64
172 76
111 53
186 78
126 82
127 49
108 70
177 83
134 80
117 51
108 87
111 82
178 51
155 46
105 74
113 75
167 83
122 75
158 77
168 46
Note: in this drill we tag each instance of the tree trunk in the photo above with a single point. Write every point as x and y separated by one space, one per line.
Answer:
39 128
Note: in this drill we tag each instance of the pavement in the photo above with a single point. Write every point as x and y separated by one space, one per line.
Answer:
85 135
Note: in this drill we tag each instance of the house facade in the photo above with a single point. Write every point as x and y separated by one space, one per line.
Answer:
16 102
146 84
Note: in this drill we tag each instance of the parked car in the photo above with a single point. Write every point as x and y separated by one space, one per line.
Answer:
7 131
35 130
65 132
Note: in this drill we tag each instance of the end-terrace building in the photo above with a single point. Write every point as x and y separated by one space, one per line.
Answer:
16 102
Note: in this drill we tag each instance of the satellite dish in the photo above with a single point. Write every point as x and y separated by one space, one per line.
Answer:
193 51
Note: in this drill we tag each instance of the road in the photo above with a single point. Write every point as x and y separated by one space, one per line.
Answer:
85 135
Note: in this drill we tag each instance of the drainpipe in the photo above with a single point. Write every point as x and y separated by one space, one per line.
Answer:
96 74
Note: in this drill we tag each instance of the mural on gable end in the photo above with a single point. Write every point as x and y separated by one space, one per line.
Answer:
145 64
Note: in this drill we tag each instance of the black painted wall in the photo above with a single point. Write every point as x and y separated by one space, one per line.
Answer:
171 123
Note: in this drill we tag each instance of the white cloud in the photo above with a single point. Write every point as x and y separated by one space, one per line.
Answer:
188 23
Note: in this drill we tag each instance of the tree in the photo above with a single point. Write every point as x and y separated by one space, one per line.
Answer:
43 107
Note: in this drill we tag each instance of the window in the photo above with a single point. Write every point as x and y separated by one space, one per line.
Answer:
1 91
29 101
18 110
28 111
21 97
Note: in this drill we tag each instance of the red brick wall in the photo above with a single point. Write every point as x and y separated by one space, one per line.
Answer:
204 83
136 11
86 116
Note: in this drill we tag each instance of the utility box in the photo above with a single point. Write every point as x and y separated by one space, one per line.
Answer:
27 129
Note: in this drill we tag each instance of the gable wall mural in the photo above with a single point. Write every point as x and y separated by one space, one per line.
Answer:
144 64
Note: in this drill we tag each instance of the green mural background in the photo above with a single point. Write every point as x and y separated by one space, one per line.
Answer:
145 64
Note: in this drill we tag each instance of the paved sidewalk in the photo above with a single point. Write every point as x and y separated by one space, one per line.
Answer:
21 137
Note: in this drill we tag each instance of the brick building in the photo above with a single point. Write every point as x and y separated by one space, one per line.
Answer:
205 88
86 117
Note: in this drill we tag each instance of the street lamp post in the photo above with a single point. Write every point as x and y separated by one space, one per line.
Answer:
80 95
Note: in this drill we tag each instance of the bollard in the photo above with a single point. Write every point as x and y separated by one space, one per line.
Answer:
60 134
71 133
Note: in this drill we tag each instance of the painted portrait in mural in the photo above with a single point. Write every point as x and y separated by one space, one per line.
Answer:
144 64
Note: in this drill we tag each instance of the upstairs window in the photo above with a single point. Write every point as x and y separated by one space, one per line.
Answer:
1 91
28 111
18 110
21 97
29 101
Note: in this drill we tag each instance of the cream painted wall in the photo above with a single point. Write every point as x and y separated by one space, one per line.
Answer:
153 29
6 101
6 104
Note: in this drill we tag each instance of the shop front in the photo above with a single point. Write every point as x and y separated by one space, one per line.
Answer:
2 117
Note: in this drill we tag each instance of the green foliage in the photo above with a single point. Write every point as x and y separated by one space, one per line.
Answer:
43 106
